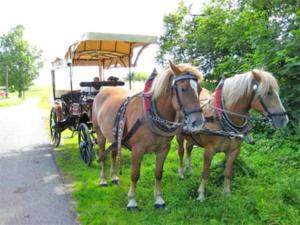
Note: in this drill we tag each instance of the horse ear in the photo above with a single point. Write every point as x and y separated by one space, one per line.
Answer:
256 75
174 68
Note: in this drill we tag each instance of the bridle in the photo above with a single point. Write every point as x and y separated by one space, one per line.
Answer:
269 114
228 125
190 77
157 124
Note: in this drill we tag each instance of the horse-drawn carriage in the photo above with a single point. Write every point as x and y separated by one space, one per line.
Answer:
72 108
148 121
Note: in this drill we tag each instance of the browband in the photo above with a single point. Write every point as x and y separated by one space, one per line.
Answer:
187 76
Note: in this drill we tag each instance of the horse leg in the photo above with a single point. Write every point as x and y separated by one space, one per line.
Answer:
180 141
189 148
230 157
136 159
114 177
208 155
160 159
101 142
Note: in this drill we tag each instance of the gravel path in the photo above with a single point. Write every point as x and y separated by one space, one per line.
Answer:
31 189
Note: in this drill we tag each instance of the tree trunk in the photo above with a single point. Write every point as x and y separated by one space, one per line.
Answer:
19 93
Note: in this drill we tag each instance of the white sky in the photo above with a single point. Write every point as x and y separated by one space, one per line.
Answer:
53 25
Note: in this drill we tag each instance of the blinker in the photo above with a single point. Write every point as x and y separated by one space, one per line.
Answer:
255 87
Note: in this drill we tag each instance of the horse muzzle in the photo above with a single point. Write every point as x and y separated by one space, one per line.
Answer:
279 121
193 123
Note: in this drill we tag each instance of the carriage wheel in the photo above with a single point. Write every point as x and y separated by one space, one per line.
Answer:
54 129
85 144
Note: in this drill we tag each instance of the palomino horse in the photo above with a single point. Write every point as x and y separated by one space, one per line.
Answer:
227 111
176 89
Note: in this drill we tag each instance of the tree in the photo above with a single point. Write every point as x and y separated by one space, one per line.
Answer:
23 60
234 36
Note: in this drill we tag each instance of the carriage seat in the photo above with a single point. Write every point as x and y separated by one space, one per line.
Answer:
76 95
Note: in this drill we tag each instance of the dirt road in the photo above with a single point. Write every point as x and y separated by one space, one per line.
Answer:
31 190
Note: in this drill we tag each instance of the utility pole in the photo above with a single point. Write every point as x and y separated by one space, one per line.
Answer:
23 84
6 81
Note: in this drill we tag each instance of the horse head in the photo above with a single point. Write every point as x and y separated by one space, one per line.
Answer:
266 98
186 89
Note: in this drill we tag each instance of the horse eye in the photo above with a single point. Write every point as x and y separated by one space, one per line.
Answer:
183 89
269 93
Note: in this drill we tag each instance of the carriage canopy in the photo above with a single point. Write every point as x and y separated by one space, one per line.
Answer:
107 50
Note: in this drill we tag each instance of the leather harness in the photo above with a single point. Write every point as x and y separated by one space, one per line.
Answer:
157 124
229 129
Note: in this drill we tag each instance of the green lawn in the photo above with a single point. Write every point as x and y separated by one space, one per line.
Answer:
42 92
11 100
44 95
265 189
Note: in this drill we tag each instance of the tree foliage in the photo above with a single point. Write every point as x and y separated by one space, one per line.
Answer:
22 60
234 36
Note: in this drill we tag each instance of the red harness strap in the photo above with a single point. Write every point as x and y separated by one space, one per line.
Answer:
147 96
218 96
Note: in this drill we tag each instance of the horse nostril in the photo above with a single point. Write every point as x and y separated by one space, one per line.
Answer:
196 123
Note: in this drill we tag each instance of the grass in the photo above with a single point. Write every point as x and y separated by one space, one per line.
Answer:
11 100
44 95
42 92
265 189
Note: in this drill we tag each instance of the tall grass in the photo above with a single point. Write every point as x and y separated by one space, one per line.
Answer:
265 189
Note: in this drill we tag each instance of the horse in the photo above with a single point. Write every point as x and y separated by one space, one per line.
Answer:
227 111
175 89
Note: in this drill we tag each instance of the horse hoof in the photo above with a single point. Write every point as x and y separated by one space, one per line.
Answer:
132 208
104 184
200 199
227 193
115 181
159 206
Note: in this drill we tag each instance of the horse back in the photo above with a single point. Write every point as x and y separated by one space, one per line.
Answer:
105 107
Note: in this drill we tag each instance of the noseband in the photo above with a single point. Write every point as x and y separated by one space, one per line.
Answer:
175 87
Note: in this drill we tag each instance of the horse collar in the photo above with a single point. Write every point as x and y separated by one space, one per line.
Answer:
156 123
225 121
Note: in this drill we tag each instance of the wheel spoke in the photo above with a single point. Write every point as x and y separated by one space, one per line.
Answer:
85 144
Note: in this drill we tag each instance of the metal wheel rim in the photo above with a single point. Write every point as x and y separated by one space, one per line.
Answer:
55 134
85 144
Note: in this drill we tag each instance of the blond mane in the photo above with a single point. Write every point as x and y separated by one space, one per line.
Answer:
161 82
241 84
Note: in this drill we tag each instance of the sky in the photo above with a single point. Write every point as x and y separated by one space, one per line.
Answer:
53 25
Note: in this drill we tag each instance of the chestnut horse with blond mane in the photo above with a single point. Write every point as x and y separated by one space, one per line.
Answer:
175 90
228 110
